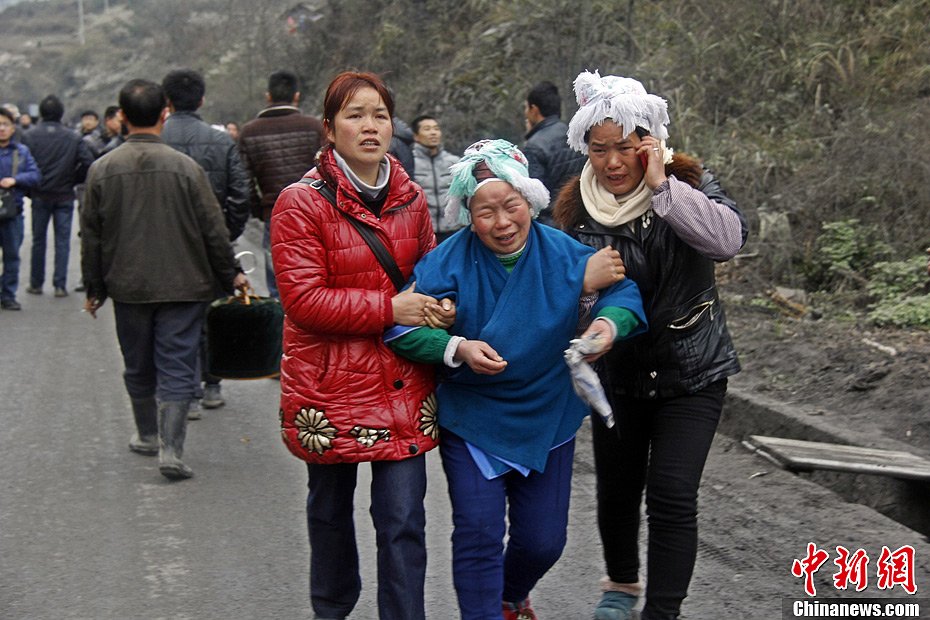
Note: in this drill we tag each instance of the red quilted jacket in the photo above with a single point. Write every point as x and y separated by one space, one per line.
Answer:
345 396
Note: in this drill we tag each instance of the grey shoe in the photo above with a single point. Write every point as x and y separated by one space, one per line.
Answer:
145 439
212 398
172 430
61 292
195 412
615 606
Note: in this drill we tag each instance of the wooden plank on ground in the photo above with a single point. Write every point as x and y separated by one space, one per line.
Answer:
798 455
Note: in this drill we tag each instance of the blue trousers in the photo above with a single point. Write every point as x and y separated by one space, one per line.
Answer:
11 238
160 344
397 492
659 445
484 572
60 214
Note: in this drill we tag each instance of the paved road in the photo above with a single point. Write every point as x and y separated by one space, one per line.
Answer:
89 530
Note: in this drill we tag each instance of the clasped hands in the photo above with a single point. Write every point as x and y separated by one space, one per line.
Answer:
417 309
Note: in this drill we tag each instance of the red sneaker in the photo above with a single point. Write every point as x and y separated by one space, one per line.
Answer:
519 611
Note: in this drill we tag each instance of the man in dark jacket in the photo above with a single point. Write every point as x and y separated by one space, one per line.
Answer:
212 148
402 145
115 132
92 133
63 157
550 158
153 239
217 154
278 147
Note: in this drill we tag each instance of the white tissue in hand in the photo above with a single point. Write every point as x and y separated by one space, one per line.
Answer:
584 380
589 345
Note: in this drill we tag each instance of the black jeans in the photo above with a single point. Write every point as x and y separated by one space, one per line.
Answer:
661 445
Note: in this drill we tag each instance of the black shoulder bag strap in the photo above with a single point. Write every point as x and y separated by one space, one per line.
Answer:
378 249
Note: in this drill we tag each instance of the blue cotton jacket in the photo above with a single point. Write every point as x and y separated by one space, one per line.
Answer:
28 176
528 316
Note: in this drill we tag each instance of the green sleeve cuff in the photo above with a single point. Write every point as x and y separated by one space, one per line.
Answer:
625 320
426 345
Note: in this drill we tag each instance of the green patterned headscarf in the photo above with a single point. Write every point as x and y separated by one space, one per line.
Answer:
501 160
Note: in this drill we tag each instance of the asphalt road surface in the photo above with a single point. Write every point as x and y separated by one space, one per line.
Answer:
89 530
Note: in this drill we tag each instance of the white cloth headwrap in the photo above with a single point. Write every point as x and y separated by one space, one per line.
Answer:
623 100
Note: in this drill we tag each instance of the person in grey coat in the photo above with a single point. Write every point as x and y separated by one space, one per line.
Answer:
431 171
153 239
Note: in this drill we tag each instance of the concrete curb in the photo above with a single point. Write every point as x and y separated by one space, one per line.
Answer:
905 501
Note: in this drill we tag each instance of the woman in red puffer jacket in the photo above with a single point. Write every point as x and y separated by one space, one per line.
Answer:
346 397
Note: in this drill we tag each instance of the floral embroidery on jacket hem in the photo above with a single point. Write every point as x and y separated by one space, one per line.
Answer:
314 431
429 425
370 436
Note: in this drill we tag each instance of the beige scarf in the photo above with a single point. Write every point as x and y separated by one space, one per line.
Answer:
611 210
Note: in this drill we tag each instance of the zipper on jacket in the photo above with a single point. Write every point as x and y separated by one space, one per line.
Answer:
402 206
432 165
698 311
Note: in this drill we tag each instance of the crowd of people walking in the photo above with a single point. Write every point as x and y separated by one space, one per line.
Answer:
428 301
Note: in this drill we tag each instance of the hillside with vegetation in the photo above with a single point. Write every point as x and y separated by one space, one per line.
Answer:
815 114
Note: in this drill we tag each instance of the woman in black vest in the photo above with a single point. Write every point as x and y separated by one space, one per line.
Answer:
671 221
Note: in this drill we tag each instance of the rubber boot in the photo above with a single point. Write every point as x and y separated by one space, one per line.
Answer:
172 429
145 439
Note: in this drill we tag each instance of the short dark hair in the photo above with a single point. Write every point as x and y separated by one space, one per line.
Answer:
51 109
184 88
90 113
5 112
142 102
110 112
545 96
345 85
282 86
415 123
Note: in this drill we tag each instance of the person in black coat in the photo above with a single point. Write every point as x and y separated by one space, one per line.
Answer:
671 221
63 157
551 160
217 154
